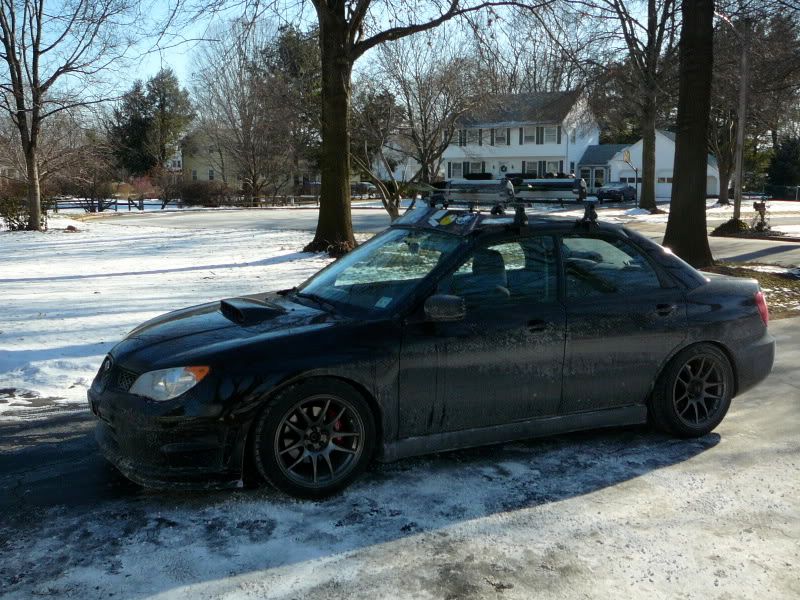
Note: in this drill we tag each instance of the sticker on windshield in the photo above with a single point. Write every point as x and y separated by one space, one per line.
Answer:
464 219
383 302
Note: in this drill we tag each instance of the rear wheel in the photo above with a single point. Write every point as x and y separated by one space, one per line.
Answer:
314 438
694 392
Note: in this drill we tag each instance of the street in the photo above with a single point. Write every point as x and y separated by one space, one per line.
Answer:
602 514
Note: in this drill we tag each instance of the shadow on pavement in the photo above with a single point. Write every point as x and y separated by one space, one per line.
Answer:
65 509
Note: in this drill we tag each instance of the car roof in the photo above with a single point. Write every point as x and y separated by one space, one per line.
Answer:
463 222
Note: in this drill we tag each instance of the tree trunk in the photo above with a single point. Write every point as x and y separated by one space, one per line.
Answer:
724 183
686 231
334 228
648 198
34 192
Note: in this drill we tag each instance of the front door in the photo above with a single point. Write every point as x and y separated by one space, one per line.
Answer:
623 319
503 362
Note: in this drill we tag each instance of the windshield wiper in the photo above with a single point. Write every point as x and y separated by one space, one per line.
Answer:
324 304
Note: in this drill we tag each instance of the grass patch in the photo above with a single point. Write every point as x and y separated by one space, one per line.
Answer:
781 285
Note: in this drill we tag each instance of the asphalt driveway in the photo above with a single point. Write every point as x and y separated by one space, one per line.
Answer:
620 513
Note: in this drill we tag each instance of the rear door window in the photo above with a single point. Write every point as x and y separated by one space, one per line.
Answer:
605 267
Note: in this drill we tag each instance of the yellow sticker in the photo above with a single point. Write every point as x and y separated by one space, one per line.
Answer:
447 219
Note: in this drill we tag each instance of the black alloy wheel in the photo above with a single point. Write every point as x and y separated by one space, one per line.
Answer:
694 392
314 439
698 390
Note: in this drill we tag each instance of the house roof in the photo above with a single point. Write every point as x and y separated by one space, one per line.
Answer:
535 107
600 154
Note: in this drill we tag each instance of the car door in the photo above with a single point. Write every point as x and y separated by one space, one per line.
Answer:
624 318
503 362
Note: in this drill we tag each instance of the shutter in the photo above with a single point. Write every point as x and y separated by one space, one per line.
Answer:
464 169
558 135
542 167
462 137
449 170
483 167
491 137
480 137
561 166
521 139
523 168
508 136
540 135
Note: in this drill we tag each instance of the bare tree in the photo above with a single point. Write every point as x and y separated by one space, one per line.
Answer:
647 31
239 112
435 85
376 121
53 53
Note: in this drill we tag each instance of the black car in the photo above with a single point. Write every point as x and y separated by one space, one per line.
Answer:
449 329
616 192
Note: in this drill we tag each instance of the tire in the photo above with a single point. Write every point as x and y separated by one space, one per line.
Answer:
693 393
295 443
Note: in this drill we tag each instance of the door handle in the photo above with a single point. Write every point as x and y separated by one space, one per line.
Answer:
536 325
664 309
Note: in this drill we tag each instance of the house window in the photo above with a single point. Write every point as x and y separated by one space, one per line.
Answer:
572 168
551 135
211 174
472 136
586 174
663 179
211 149
455 170
530 167
475 167
529 135
501 137
552 166
194 174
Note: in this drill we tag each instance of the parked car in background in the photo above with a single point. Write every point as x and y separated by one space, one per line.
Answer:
616 192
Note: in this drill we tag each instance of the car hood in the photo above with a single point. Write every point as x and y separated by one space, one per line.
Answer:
215 326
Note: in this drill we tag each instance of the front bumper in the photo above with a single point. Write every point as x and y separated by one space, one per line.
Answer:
167 450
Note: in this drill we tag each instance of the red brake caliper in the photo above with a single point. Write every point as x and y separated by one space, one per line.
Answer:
337 426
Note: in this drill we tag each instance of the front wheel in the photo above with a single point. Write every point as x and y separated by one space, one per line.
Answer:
694 392
314 439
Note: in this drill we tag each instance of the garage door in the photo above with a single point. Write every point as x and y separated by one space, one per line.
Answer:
663 184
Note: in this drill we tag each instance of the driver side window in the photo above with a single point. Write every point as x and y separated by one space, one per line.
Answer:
522 271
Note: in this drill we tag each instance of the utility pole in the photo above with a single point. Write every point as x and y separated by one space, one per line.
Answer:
744 76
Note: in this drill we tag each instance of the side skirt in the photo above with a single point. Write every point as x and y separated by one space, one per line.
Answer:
510 432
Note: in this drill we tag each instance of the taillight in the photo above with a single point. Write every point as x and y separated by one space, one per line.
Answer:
761 303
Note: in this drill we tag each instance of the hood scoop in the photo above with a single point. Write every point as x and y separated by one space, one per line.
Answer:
248 311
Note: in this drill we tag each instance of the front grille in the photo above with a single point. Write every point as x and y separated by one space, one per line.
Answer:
125 379
114 378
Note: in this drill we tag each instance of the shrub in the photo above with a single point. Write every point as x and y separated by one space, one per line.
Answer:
14 207
204 193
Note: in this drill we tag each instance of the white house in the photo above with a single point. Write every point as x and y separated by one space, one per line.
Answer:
533 134
606 162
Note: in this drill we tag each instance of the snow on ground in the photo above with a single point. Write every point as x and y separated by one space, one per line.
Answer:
69 297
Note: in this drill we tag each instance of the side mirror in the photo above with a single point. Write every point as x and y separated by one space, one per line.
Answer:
442 307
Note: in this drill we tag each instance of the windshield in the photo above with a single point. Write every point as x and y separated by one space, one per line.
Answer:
378 275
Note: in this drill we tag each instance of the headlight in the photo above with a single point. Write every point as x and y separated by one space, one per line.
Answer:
166 384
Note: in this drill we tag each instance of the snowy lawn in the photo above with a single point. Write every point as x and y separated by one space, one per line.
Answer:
67 298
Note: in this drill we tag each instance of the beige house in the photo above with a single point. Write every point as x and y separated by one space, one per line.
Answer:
204 160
